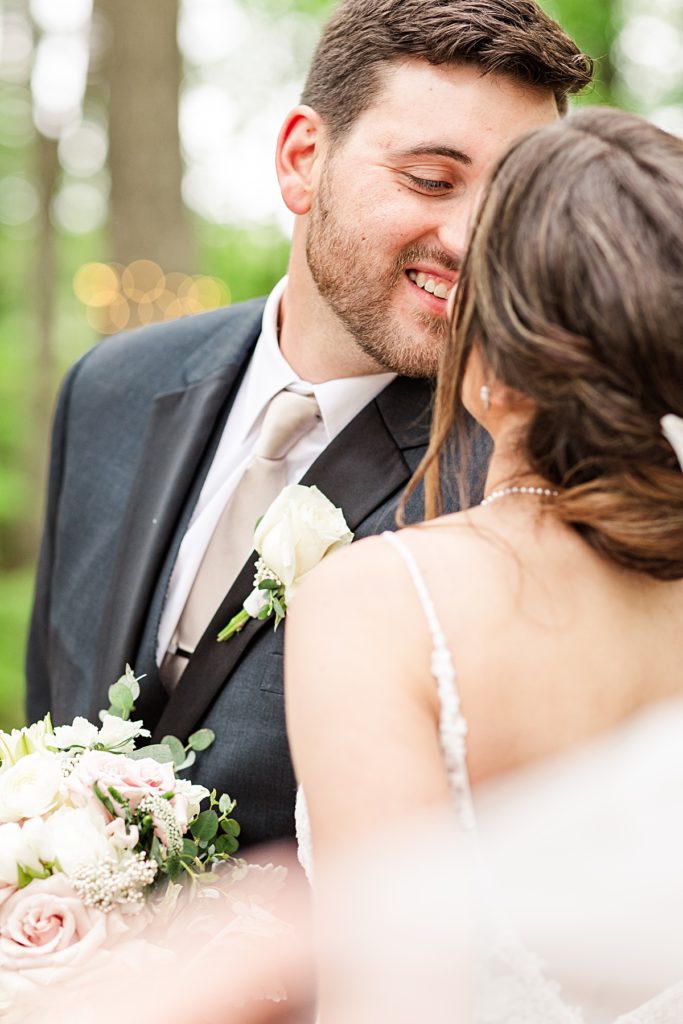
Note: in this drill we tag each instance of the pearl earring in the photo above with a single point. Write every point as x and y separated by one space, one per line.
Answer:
485 395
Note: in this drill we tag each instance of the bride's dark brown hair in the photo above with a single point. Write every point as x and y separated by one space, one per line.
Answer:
572 290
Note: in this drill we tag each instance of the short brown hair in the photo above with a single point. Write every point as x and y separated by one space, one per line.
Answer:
509 37
572 292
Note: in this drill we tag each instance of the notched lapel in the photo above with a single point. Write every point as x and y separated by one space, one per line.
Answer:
359 471
180 427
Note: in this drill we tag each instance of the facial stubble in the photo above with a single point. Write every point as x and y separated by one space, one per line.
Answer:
360 293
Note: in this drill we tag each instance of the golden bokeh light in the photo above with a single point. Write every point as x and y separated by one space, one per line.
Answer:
119 297
110 319
96 284
143 281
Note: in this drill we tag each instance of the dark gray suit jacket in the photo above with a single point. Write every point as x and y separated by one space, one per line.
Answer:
137 424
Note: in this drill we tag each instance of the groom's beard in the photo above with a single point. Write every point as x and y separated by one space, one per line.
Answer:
361 292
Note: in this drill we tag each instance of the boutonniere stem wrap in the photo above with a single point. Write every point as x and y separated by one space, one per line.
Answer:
298 530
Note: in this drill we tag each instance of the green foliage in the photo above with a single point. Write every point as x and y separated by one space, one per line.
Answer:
15 596
205 827
123 694
594 26
176 748
201 740
158 751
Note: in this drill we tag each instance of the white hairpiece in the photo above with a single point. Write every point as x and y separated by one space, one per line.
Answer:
672 428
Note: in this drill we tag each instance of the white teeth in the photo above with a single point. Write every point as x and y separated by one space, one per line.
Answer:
429 284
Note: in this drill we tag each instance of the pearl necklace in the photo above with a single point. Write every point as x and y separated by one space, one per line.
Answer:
503 492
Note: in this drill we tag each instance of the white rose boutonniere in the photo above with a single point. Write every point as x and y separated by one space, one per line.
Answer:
298 530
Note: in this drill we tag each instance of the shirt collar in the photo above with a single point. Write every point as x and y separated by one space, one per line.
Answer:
269 372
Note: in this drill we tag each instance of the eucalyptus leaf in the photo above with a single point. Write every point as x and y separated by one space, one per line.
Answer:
225 804
202 739
189 760
120 696
176 748
157 751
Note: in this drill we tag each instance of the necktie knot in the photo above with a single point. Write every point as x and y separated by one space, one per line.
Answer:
288 417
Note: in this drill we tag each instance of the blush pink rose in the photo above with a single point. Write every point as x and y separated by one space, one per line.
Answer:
49 940
45 925
134 780
6 890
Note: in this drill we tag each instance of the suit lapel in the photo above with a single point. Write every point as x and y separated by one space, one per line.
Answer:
359 471
180 427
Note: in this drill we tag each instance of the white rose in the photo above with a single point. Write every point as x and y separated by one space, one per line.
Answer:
297 531
81 733
22 846
20 742
74 837
30 787
118 735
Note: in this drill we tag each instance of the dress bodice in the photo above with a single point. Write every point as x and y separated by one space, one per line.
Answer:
512 986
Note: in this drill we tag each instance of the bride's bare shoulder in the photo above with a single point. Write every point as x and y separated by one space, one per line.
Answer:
372 572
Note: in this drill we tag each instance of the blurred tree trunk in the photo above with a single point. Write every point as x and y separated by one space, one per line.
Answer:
143 72
42 284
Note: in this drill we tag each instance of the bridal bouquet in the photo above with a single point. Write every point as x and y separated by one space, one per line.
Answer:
94 834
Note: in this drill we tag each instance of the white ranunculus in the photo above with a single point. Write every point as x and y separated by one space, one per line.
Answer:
298 530
20 742
75 837
81 733
30 787
119 735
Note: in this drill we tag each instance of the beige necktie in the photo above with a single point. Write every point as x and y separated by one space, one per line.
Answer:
288 417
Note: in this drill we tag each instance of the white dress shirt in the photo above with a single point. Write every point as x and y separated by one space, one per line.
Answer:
267 374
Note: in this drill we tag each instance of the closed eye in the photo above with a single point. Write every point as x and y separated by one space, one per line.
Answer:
429 186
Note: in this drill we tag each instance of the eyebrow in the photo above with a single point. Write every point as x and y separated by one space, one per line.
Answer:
433 149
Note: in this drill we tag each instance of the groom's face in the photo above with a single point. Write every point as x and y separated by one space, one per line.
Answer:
395 198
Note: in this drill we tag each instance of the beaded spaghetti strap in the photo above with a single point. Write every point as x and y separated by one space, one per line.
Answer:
452 725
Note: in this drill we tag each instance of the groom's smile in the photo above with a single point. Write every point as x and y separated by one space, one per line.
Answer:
395 197
434 285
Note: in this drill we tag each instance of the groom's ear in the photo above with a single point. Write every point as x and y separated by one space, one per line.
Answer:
300 146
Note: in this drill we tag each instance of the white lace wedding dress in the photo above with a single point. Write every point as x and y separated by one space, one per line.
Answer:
600 898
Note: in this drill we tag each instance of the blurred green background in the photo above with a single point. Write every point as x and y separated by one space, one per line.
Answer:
137 183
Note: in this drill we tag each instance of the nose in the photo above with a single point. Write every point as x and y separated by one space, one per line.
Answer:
454 228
